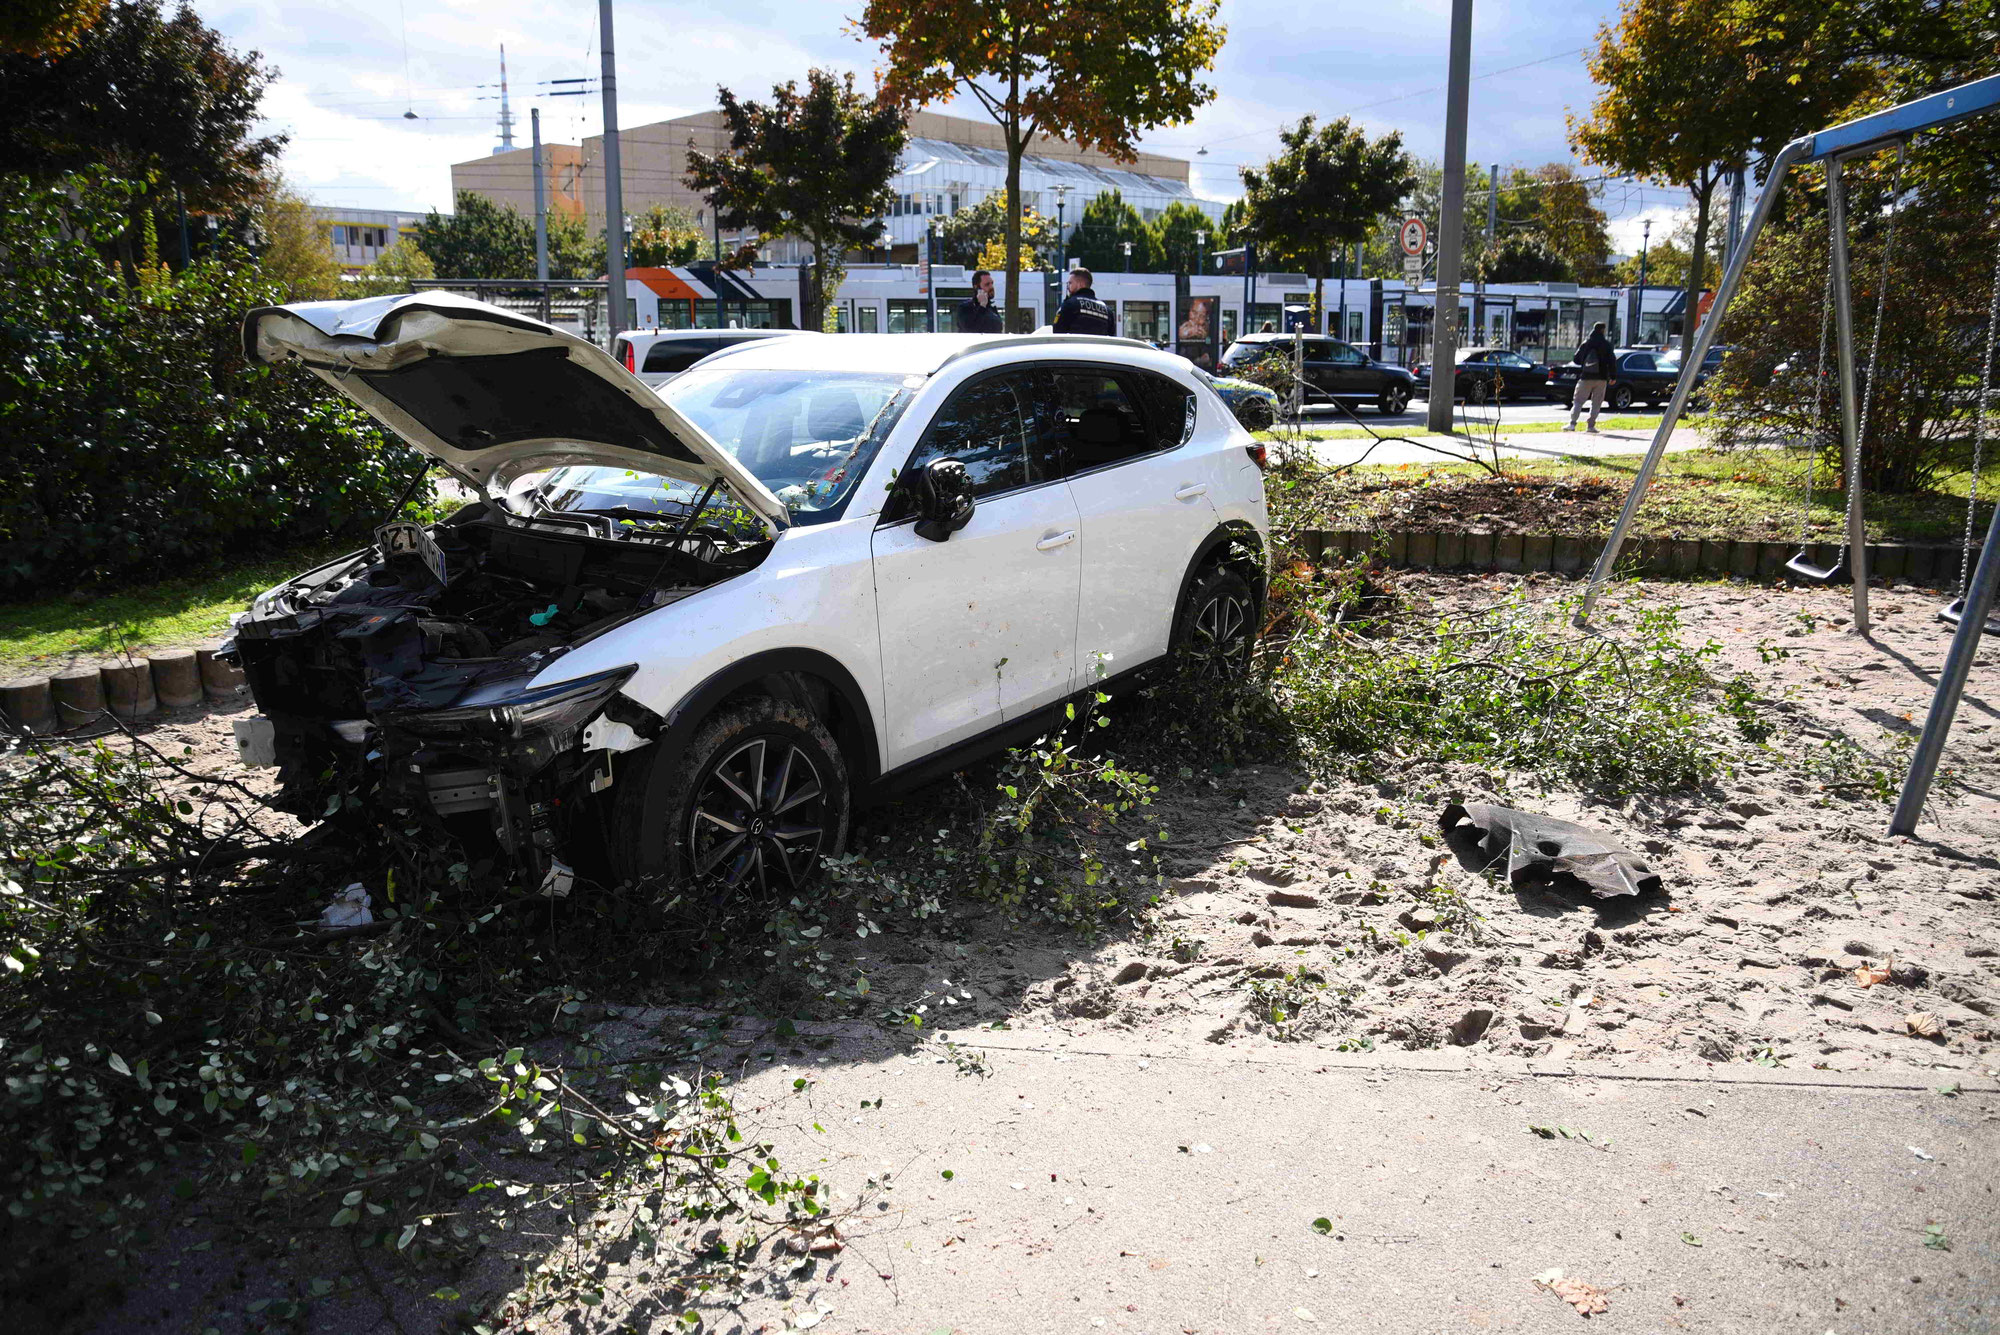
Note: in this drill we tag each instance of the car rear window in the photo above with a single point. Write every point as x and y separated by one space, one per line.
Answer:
671 358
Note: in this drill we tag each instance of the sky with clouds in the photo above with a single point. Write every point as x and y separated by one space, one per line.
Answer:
348 74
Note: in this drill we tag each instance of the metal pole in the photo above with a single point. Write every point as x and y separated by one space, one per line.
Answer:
930 271
1737 181
1492 222
617 307
1768 200
1850 416
541 198
1249 285
1451 226
1639 311
1951 682
1342 334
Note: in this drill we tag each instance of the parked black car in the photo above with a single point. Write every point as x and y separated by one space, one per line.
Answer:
1333 370
1641 374
1480 368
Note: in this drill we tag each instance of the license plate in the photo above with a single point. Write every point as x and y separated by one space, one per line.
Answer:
406 539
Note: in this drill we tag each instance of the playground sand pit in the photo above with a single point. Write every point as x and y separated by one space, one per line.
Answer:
1791 931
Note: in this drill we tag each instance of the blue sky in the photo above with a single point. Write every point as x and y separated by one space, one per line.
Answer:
345 81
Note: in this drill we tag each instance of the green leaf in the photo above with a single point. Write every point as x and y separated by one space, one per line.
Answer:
1690 1239
947 1174
118 1065
1322 1225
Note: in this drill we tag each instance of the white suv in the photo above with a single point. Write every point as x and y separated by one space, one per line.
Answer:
685 633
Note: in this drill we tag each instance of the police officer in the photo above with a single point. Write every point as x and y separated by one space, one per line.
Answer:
1082 312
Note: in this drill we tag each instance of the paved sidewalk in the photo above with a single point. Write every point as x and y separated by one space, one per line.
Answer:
1101 1187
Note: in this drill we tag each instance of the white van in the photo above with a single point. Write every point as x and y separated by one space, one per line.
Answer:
658 355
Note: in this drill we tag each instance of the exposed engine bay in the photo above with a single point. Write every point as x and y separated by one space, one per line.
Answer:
394 681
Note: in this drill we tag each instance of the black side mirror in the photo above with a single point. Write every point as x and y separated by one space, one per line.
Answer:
944 499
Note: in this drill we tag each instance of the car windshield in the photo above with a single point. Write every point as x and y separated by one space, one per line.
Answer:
806 435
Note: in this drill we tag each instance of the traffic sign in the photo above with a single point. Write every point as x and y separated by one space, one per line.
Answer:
1413 268
1413 234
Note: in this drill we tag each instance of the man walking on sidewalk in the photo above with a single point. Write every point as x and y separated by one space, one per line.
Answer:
1596 358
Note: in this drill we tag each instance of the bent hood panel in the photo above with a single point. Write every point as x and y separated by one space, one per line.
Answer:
492 394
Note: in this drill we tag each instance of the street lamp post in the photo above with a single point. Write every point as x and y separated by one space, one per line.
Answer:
1062 245
1645 244
1128 257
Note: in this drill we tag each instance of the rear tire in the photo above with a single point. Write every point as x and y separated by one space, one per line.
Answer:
1257 416
757 798
1217 625
1620 398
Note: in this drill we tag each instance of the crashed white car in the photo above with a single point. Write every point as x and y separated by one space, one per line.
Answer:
684 634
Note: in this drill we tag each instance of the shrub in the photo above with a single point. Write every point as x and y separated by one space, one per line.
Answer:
134 437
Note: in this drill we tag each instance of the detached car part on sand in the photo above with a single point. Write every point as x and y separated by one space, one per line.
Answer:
1535 847
681 632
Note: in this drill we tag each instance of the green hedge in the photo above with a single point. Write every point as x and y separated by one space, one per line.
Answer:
135 440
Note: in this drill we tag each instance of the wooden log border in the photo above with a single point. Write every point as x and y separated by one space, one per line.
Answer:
1756 562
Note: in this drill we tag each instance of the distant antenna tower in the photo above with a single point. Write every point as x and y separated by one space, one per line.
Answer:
506 113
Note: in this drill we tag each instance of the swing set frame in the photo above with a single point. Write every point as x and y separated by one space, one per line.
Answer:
1894 127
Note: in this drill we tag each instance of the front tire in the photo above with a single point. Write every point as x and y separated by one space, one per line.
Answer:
1217 625
757 798
1257 416
1394 399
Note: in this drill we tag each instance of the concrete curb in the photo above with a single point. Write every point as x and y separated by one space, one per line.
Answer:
1519 552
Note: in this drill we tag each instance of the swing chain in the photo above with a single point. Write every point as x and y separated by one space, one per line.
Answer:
1980 403
1875 340
1816 431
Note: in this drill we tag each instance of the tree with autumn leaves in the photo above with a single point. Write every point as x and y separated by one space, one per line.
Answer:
1095 72
1691 90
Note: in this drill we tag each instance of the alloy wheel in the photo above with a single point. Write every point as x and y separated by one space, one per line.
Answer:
757 817
1221 633
1394 401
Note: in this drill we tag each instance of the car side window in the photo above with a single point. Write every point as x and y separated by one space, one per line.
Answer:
1169 409
1639 361
985 427
1098 419
1319 350
1347 355
674 357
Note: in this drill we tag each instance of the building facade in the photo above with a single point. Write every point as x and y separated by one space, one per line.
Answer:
360 236
951 162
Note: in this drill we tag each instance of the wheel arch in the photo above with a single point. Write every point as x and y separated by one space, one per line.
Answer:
807 677
1233 542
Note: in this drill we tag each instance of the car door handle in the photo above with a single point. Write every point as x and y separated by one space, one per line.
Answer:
1055 540
1191 490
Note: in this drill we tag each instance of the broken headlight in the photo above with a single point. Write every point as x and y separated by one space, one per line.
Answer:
552 713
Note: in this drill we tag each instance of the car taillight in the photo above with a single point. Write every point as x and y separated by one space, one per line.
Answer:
1259 456
631 361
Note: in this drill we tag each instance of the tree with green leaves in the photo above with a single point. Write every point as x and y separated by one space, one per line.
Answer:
159 99
479 239
1327 187
394 270
1690 90
663 236
1182 237
966 237
1095 72
814 164
1101 233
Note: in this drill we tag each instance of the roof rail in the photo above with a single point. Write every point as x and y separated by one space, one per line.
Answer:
1065 340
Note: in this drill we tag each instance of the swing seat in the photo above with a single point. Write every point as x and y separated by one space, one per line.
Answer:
1837 573
1953 613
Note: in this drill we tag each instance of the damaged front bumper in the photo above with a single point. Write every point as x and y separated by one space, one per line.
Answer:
509 767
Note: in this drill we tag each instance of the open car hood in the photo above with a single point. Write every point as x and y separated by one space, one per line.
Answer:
493 395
